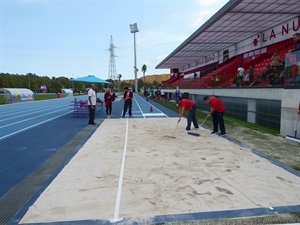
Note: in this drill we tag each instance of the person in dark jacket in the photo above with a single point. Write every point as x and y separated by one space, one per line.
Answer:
108 99
127 96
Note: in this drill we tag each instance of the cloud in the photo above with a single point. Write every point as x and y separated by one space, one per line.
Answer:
205 9
160 38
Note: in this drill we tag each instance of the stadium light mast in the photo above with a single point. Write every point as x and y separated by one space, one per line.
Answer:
134 29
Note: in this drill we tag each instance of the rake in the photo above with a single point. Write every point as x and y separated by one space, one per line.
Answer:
204 120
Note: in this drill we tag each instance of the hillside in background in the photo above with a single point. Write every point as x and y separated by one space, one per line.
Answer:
150 78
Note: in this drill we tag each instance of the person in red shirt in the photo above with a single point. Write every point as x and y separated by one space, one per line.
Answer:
299 109
108 99
186 104
127 96
217 110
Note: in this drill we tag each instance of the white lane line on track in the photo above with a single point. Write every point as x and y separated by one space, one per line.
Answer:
139 107
31 118
152 114
119 193
33 126
23 113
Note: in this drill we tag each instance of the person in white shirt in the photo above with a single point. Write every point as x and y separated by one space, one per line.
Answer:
240 75
162 94
92 104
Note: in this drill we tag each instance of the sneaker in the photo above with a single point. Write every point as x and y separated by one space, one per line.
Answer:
130 116
214 132
92 124
196 128
223 134
187 129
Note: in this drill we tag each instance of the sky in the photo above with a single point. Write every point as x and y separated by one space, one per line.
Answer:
71 38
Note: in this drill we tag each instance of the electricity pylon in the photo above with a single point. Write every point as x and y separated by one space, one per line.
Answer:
112 71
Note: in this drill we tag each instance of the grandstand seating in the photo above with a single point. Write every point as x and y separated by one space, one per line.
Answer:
173 80
225 71
228 69
281 48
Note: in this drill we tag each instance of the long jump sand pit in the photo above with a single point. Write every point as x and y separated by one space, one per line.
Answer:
161 176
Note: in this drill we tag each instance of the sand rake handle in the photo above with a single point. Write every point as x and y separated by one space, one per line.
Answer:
175 129
204 120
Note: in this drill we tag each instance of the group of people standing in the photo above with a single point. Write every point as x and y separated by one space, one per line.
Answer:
92 101
109 97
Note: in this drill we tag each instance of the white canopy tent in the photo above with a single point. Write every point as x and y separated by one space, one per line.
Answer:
66 92
14 95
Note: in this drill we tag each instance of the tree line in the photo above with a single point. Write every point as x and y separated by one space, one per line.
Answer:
34 82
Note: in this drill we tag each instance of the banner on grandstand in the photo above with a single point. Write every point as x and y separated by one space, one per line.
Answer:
205 61
281 32
255 53
276 34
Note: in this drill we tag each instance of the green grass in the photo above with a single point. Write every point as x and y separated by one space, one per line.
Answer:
38 97
272 219
1 99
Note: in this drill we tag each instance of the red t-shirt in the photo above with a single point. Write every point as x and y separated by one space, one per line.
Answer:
186 103
216 104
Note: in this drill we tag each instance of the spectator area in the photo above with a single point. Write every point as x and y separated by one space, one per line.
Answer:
228 70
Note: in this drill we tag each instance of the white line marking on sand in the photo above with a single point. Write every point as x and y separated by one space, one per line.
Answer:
119 193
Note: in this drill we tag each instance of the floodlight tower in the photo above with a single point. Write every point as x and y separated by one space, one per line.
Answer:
112 71
134 29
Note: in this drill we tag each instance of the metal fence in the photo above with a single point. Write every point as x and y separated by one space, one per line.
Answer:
265 112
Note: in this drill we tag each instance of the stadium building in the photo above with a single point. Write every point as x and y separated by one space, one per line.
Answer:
243 33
